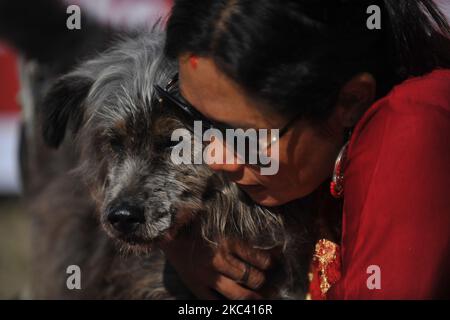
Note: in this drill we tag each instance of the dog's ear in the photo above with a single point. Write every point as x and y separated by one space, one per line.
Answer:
64 106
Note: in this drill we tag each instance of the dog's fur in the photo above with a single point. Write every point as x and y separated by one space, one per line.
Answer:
108 105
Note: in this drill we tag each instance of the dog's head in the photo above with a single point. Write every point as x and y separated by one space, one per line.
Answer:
124 137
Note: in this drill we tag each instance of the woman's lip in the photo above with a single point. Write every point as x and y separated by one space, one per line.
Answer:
245 185
250 187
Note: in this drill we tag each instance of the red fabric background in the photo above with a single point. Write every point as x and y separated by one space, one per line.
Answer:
9 83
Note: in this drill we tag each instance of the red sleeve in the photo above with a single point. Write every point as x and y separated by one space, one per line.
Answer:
397 203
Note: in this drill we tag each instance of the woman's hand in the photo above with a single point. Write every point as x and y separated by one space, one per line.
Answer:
233 269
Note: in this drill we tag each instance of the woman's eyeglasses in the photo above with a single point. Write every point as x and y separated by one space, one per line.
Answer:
256 141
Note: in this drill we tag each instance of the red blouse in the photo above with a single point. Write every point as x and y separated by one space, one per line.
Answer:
396 219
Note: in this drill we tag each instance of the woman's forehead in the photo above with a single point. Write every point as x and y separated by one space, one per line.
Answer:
219 98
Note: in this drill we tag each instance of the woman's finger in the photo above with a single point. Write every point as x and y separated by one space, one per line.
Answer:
258 258
238 270
232 290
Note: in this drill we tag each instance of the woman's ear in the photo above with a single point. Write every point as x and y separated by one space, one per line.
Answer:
64 106
355 97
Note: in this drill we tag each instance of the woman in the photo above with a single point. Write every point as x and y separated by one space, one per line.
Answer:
260 64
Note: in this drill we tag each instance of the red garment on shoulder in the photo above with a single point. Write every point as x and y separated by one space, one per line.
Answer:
397 196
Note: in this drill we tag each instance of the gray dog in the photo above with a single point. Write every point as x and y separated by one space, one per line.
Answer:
127 184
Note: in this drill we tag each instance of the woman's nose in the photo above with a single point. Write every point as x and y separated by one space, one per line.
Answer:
231 168
221 158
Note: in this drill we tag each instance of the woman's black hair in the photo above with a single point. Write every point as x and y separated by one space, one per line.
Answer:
295 55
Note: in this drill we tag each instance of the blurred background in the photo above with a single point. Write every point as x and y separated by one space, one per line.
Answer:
15 242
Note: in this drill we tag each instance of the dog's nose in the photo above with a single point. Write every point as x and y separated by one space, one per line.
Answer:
126 219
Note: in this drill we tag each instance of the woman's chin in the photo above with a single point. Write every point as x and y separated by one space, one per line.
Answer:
267 200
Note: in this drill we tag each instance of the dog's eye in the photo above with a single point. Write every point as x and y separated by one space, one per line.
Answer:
169 144
164 144
116 145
